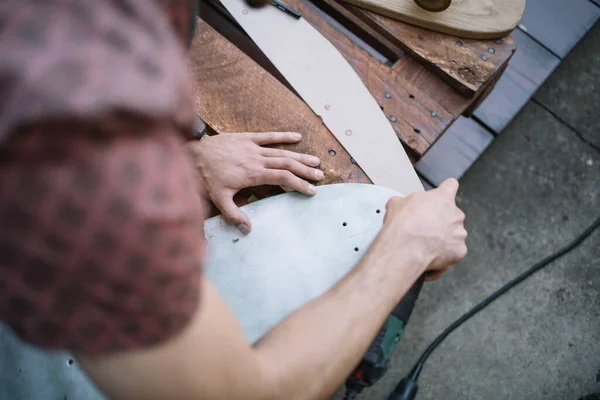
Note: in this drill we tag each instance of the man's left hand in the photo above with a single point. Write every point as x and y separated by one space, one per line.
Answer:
230 162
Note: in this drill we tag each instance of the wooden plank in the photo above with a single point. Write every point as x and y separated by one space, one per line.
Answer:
526 72
331 88
455 152
559 24
419 102
364 31
234 94
475 19
465 64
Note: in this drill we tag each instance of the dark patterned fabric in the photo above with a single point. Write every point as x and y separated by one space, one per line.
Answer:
101 240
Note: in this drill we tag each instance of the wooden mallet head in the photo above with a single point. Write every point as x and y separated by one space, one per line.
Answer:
434 5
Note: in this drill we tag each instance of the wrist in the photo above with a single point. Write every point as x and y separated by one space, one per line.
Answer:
393 263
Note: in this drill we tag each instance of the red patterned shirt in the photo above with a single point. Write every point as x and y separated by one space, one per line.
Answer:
101 240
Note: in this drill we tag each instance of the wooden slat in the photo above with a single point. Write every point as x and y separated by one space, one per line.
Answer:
234 94
559 24
359 27
526 72
419 102
455 152
465 64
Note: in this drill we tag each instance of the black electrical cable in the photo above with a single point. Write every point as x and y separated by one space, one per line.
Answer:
407 388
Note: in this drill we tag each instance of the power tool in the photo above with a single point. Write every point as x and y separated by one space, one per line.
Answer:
375 362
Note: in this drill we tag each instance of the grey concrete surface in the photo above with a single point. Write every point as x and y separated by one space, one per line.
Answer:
573 91
535 189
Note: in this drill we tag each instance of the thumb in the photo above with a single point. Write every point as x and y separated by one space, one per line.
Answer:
233 214
450 186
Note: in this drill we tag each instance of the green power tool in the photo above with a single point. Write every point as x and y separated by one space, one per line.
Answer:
375 362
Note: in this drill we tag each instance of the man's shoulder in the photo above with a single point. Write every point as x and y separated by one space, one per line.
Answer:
87 58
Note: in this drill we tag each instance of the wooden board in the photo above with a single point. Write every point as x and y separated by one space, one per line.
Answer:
234 94
476 19
468 65
455 152
278 267
422 104
559 24
327 83
526 72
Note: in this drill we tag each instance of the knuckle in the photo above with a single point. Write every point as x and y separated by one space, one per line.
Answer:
288 163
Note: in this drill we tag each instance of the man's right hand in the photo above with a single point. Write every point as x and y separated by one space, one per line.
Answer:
311 351
431 224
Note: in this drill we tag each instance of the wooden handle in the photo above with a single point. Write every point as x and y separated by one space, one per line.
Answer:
434 5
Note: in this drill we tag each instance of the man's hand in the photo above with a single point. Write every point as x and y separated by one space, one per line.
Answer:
311 351
432 224
230 162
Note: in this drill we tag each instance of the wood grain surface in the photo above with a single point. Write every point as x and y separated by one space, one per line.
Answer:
475 19
468 65
234 94
421 103
333 90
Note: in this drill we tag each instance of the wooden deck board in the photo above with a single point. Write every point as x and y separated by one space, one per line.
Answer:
251 97
465 64
455 152
559 24
527 71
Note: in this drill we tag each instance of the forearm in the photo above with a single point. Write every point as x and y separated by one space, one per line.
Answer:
314 349
306 356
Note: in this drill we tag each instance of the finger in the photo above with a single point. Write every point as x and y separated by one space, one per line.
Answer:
305 159
233 214
450 186
294 167
286 178
263 138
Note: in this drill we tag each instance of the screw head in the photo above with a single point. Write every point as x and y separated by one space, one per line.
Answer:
433 114
491 50
393 119
484 58
388 96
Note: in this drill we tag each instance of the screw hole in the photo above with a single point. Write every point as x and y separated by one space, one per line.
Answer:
70 362
332 152
417 130
378 211
344 224
410 96
356 249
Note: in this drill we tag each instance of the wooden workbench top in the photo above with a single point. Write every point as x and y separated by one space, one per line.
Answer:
422 80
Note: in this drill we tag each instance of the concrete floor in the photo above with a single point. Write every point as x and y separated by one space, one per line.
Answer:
534 189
